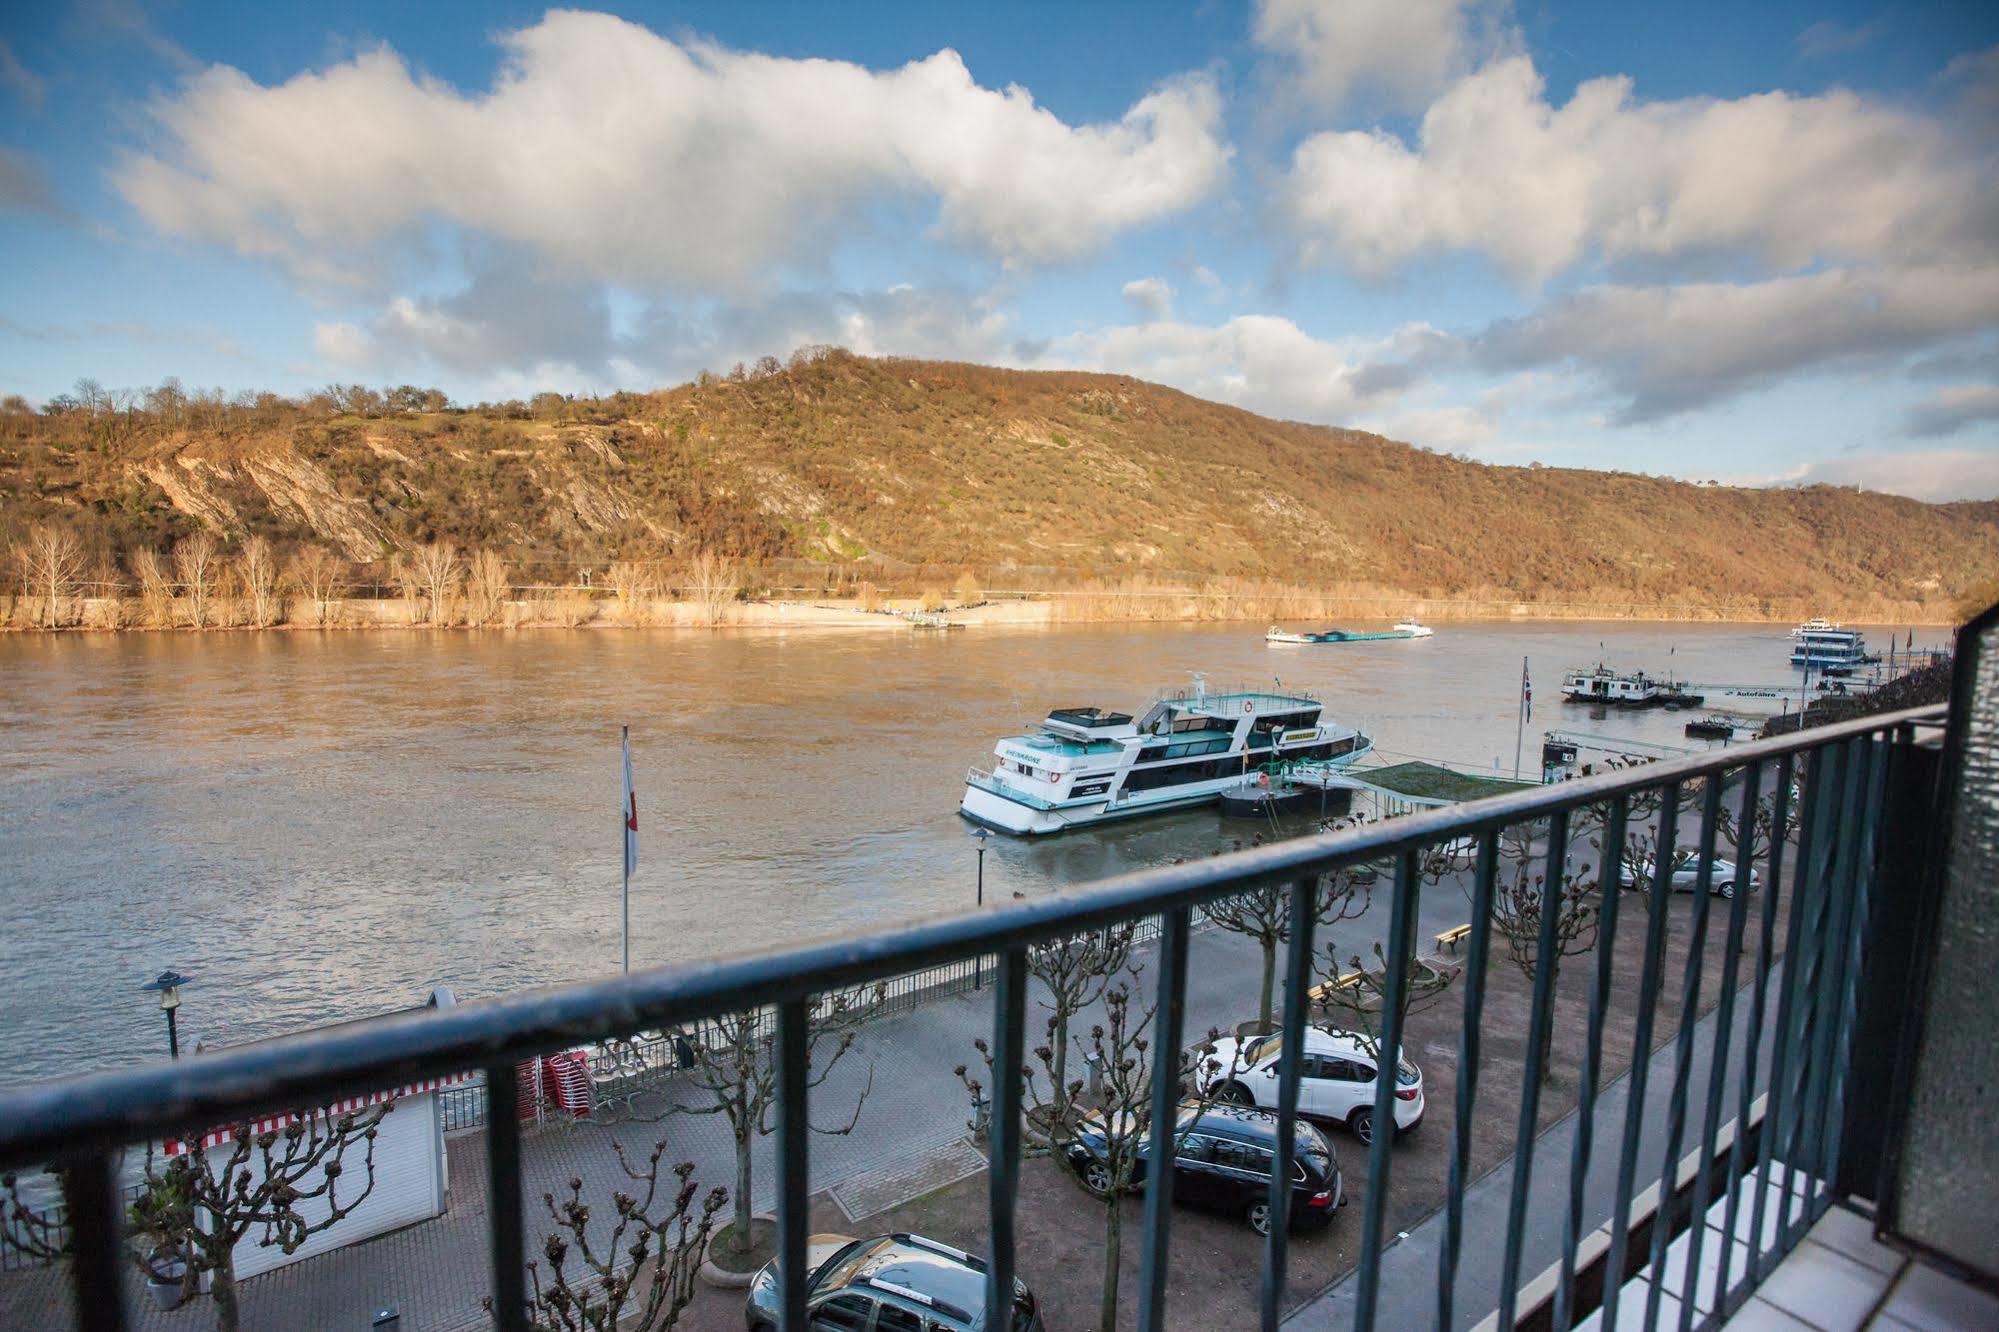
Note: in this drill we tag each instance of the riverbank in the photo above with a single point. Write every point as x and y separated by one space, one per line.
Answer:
581 608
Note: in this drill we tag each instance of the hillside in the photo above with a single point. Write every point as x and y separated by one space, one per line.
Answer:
869 465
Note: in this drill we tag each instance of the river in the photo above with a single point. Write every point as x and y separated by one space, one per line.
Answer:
325 825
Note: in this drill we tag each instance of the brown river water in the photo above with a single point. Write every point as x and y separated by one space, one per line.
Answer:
322 826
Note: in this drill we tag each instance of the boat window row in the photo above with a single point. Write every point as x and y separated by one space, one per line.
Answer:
1179 774
1155 753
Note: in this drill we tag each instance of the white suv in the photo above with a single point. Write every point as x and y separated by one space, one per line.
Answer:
1336 1080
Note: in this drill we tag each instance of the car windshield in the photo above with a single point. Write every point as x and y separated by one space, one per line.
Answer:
1253 1052
838 1270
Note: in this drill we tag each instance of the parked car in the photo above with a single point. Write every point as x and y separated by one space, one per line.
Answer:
890 1283
1223 1161
1336 1081
1686 875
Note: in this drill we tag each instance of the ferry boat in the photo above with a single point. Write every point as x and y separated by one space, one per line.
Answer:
1820 643
1086 766
1608 688
1406 629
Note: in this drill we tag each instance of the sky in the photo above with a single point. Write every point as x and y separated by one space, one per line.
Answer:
1749 243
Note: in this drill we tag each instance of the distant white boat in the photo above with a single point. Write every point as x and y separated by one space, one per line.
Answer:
1415 629
1407 629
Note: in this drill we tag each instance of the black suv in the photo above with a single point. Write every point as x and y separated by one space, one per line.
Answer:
1224 1163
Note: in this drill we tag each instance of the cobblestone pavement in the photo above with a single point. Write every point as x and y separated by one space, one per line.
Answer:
436 1271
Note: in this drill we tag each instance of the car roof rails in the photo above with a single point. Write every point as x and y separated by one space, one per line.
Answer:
919 1242
945 1307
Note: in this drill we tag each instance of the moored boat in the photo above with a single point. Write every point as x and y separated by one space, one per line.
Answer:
1087 765
1824 644
1406 629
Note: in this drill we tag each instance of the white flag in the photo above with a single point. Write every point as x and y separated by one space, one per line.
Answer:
631 811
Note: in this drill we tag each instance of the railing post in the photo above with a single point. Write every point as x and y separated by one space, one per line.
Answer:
97 1266
1003 1144
1387 1060
794 1128
1290 1062
1486 868
503 1197
1169 1036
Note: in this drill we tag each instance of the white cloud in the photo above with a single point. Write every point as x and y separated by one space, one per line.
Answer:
1445 429
21 81
1262 362
1952 408
1830 37
1500 170
1924 474
1401 50
621 155
1152 296
343 344
1670 349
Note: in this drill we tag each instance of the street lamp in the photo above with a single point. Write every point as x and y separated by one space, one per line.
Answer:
981 836
168 985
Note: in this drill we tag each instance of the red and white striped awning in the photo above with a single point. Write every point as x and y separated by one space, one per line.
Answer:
273 1123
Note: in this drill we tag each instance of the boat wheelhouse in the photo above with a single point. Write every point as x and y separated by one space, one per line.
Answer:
1817 643
1087 765
1602 685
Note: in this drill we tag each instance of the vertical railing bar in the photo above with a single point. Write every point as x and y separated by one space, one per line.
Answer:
1724 1030
1861 889
1468 1056
1609 876
1003 1138
1290 1064
794 1130
1387 1062
1779 816
1798 1072
1830 987
1683 1046
1649 979
1172 1010
503 1197
1539 1019
97 1267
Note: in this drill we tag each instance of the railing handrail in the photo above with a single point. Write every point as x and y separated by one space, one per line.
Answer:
95 1112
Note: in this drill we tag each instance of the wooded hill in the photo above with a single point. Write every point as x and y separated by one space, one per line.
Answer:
866 466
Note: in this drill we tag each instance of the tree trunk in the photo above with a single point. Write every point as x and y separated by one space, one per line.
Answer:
1061 1067
1113 1260
1269 982
226 1312
743 1214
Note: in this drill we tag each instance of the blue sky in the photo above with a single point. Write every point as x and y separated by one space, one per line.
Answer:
1752 243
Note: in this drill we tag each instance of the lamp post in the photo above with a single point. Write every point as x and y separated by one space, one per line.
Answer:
981 836
168 985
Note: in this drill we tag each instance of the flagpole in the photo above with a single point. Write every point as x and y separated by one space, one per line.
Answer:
625 852
1520 731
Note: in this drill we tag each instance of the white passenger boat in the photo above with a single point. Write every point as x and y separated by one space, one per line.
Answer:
1086 765
1821 643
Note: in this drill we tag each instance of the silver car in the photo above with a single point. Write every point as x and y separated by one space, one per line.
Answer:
891 1283
1686 873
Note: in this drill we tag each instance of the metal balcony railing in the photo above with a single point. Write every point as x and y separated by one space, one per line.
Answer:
1840 774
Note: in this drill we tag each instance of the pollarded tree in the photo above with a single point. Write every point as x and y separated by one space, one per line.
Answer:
1356 996
283 1185
734 1074
616 1284
1076 970
1520 901
1264 914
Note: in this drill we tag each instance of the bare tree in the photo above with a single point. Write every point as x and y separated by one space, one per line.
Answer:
1753 840
1119 1128
409 583
284 1185
967 590
257 569
198 568
735 1074
1519 902
486 587
156 588
438 573
633 581
51 564
1076 970
640 1285
1357 996
712 583
36 1232
109 585
1264 914
319 577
